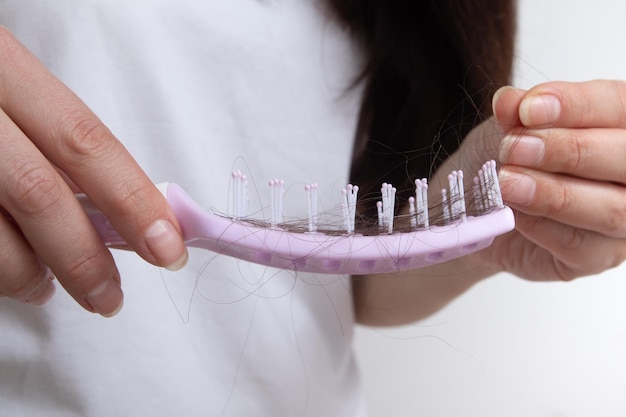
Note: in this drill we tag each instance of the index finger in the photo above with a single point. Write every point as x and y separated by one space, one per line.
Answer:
597 103
78 143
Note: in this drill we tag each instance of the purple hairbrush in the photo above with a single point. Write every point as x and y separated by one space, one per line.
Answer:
345 251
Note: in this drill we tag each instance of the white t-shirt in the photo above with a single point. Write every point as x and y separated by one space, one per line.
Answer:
195 89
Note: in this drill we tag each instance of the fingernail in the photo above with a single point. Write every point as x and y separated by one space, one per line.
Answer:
106 299
522 150
166 245
540 110
496 98
517 188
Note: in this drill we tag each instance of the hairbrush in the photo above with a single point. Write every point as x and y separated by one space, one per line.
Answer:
313 248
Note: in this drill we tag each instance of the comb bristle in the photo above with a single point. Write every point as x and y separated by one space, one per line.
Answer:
277 193
311 191
240 195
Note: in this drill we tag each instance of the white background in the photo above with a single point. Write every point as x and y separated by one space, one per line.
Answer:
510 348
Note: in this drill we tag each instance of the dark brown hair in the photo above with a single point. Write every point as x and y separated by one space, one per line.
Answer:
431 69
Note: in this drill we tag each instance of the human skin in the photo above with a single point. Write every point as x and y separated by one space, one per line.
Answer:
560 149
52 146
559 146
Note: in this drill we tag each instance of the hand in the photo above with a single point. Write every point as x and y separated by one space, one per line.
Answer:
564 172
52 146
561 148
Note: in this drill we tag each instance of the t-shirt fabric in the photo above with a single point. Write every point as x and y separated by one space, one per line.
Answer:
194 90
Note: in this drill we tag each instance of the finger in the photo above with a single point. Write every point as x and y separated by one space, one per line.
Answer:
598 103
599 207
24 277
79 144
70 183
577 252
586 153
511 252
505 105
53 223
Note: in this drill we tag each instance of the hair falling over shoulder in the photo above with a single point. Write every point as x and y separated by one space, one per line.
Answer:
430 71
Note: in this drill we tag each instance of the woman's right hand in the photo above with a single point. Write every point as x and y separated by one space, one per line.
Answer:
53 146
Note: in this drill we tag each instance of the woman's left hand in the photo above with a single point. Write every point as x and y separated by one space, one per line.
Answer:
563 170
562 153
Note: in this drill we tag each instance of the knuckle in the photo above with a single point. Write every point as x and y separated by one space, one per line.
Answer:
34 189
87 136
133 198
84 271
87 263
616 220
577 152
561 202
574 239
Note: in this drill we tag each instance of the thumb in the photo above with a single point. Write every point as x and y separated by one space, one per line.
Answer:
505 104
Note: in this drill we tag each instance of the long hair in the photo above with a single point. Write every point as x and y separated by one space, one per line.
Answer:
431 69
